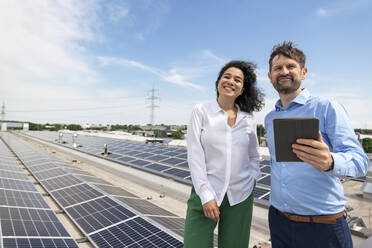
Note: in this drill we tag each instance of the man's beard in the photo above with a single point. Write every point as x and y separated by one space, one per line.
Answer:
285 90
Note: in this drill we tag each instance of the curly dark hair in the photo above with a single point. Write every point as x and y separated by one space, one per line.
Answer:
251 98
288 49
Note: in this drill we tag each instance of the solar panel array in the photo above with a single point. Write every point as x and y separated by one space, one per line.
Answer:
26 219
165 161
106 221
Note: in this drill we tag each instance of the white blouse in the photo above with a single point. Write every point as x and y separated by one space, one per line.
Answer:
222 159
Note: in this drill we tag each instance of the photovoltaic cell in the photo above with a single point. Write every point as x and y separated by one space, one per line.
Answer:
178 172
157 167
157 157
258 192
173 161
13 175
99 213
22 199
75 194
92 179
30 222
139 162
136 232
60 182
265 180
54 172
16 184
266 169
175 224
39 243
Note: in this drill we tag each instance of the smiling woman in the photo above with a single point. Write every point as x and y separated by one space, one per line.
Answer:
223 160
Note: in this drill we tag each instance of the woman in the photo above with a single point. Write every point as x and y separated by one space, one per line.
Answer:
224 161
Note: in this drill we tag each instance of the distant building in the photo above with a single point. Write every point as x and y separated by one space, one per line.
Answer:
13 125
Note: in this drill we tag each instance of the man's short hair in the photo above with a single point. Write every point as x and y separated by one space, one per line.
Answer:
288 50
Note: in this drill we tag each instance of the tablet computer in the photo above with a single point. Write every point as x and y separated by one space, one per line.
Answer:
287 131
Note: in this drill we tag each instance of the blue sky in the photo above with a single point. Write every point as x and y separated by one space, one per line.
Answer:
95 61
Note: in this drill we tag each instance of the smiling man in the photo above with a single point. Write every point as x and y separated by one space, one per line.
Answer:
307 198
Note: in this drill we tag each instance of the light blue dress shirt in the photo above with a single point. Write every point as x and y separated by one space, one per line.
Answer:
297 187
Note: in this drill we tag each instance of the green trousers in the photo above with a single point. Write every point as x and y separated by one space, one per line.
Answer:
233 228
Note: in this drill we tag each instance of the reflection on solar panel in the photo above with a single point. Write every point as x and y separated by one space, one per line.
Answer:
144 206
134 233
92 179
157 157
126 159
112 190
175 224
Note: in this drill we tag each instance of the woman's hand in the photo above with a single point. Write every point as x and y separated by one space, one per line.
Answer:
211 210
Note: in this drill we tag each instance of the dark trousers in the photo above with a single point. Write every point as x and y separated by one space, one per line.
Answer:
290 234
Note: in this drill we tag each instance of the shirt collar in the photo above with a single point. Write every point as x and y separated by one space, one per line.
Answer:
299 99
216 108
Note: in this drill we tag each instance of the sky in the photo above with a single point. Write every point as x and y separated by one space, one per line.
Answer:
96 62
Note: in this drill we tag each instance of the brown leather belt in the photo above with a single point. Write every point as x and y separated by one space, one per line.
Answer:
324 219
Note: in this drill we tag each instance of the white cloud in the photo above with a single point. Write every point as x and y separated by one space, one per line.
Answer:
342 7
117 11
171 77
321 12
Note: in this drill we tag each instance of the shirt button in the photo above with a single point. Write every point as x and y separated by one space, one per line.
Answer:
285 204
283 184
338 172
283 165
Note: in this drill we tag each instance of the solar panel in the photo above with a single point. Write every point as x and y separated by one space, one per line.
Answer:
136 232
45 174
157 157
60 182
13 175
9 167
173 161
16 184
145 155
184 164
30 222
139 162
175 224
93 179
178 172
258 192
182 155
75 194
157 167
113 190
265 180
39 242
22 199
266 169
126 159
144 206
99 213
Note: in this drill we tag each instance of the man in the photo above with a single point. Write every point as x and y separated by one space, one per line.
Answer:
307 199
